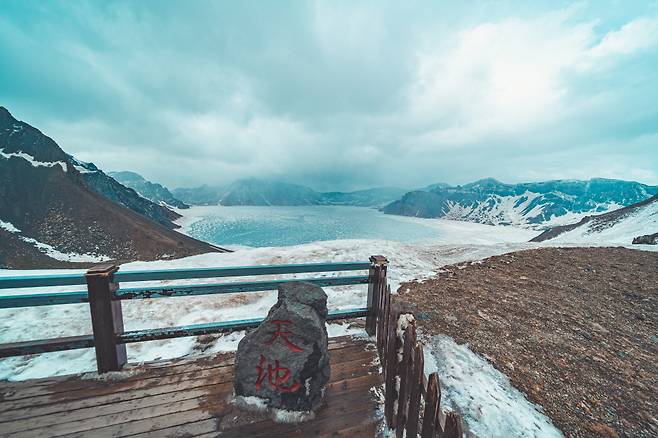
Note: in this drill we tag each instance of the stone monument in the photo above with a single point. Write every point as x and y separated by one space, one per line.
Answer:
283 365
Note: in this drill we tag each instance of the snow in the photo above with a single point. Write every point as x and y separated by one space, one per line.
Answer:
51 251
82 169
408 262
483 396
643 220
33 161
8 226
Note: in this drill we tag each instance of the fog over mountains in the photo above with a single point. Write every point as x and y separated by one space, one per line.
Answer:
55 209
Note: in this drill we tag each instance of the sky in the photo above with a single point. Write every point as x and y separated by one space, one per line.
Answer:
340 95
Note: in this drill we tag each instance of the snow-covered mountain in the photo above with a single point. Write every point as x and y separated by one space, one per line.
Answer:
535 205
56 210
622 226
152 191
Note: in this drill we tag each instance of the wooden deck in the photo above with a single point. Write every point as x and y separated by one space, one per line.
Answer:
186 398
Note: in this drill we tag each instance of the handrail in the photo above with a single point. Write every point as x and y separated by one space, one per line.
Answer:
87 341
237 271
42 280
227 288
105 296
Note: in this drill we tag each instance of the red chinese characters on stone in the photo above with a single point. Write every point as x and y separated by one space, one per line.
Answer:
277 376
282 332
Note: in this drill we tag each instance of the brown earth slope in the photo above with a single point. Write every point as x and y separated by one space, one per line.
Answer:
575 329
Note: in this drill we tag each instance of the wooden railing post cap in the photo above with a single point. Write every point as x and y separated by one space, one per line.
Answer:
378 260
104 269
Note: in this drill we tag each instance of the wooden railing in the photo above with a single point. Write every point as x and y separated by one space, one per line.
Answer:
407 393
104 295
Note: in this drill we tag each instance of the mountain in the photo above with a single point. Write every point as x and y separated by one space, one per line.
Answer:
537 204
254 191
260 192
147 189
53 211
376 197
101 183
622 226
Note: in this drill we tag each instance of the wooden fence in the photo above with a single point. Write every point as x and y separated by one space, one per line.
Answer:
104 295
412 403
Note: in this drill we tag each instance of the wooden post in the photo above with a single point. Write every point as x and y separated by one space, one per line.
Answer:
405 373
376 285
415 394
391 367
432 405
453 426
106 318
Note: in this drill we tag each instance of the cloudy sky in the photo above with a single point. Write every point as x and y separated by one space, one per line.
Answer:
340 95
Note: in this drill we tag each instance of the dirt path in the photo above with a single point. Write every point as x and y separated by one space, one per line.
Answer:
573 328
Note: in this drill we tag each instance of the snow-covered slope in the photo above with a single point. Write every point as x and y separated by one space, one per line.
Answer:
534 205
616 227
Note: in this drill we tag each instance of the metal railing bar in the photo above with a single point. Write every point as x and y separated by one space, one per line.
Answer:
226 288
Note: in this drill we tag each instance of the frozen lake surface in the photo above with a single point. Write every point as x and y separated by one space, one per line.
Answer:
286 226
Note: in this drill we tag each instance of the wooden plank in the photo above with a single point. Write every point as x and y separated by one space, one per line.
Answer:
71 394
46 345
50 385
98 393
45 299
87 418
236 271
70 384
115 393
162 417
342 399
417 375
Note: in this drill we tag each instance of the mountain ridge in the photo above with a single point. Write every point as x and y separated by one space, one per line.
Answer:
534 204
47 204
261 192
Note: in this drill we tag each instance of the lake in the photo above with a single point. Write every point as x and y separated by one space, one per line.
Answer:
284 226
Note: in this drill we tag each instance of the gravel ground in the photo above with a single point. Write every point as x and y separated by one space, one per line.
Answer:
573 328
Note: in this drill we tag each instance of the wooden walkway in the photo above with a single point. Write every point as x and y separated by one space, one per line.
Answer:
187 398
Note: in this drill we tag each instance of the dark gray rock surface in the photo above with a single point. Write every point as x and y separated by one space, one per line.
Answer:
285 361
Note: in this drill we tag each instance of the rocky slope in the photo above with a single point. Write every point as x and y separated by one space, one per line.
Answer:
619 226
573 328
529 204
51 202
152 191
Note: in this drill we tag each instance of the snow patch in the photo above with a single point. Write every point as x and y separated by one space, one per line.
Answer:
485 398
8 226
50 251
33 161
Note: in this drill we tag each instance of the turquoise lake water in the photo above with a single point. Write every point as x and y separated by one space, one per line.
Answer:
284 226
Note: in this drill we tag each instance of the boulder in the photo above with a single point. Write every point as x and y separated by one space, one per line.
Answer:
647 239
284 363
